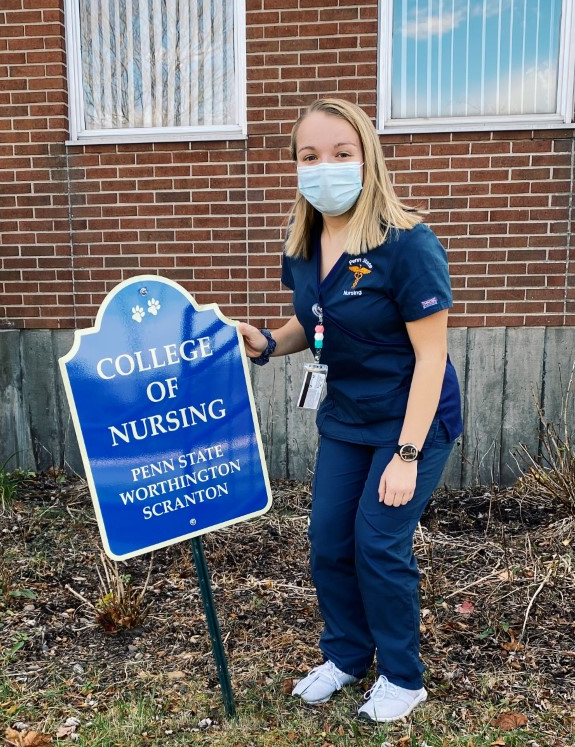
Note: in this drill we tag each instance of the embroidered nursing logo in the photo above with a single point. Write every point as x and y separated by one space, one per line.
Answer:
358 273
429 302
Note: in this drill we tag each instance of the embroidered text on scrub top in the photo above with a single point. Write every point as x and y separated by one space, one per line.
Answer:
359 268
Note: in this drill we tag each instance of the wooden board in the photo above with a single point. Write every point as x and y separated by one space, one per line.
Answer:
524 353
15 443
498 370
483 405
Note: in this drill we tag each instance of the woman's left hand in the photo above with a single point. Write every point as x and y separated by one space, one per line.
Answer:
397 483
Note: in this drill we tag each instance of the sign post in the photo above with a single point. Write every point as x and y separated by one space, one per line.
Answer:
161 401
213 626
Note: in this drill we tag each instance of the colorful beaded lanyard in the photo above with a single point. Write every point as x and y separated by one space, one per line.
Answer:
319 329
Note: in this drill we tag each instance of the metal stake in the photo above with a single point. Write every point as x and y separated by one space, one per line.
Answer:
213 626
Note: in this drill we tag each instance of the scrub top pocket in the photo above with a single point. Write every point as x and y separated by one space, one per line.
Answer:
374 408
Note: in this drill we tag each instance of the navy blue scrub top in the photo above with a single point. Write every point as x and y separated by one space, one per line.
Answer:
366 300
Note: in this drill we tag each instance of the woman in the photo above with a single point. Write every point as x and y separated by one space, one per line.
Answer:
371 292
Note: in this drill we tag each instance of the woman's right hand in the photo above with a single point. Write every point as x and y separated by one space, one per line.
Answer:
255 343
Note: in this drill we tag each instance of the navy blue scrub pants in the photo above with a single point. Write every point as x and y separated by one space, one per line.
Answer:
362 559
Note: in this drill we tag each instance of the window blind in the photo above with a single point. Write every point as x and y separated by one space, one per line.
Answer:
157 63
457 58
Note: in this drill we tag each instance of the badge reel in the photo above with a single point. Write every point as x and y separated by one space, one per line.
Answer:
314 374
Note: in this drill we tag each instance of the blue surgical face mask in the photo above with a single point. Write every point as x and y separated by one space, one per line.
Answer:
332 188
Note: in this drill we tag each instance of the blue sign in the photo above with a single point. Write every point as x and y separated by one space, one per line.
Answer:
161 399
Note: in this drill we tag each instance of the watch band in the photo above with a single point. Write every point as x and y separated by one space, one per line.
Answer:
264 357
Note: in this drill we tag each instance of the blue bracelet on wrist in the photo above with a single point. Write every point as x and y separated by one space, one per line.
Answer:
264 358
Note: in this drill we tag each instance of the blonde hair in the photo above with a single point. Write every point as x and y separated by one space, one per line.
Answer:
377 210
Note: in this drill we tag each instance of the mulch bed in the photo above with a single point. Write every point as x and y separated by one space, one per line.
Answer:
498 600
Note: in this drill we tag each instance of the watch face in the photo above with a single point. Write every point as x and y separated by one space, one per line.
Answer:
408 452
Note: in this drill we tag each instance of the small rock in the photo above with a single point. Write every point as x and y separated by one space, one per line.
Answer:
205 723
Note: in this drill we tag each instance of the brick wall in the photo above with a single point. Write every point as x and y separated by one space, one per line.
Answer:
36 274
76 220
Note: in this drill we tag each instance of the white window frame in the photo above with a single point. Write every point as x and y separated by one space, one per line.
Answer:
565 88
79 135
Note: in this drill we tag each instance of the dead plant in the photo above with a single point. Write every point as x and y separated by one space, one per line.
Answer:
120 605
551 474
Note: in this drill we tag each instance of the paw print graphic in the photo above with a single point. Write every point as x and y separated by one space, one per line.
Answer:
137 313
153 306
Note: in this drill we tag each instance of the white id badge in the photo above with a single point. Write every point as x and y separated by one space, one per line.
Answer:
314 378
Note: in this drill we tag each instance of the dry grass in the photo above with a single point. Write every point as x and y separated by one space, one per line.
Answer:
498 622
551 473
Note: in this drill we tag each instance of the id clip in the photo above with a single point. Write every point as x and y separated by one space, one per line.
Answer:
314 377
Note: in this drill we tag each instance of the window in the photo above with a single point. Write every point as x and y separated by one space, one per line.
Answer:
156 69
475 64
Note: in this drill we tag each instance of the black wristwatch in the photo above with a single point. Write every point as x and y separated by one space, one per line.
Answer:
409 452
264 357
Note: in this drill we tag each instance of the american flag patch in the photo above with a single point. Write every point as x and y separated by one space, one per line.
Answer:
429 302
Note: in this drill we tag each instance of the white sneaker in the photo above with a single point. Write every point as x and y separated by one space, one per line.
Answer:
321 683
388 702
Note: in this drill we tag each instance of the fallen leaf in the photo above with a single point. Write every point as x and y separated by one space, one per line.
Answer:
65 731
510 720
26 738
178 675
288 686
513 645
68 729
10 735
465 608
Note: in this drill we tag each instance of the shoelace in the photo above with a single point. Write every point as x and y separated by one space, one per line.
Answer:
379 690
330 670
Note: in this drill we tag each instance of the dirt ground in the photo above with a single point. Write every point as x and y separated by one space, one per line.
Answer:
498 600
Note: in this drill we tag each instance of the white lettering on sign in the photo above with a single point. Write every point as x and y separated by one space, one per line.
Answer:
202 455
146 471
146 360
205 474
175 504
154 425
